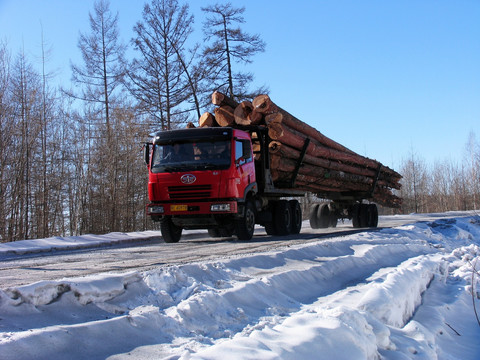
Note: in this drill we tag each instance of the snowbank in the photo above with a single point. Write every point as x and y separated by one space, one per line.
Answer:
401 293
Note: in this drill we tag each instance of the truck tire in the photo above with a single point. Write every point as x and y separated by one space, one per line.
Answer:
363 214
171 233
313 216
283 218
323 216
270 225
297 219
372 215
245 225
356 215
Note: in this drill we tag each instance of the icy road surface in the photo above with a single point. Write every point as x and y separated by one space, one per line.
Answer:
396 293
24 262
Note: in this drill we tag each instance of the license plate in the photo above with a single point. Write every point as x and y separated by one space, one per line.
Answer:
178 207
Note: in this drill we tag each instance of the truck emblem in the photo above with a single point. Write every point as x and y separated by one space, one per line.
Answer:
188 179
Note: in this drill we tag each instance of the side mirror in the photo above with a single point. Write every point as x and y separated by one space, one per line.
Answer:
146 153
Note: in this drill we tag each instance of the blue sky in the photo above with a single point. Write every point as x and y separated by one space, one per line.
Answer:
384 78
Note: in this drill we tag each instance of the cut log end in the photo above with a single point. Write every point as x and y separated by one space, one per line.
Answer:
264 105
207 120
246 115
220 99
224 115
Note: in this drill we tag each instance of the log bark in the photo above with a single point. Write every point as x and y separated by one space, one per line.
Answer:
284 134
246 115
225 115
326 176
263 104
220 99
207 120
286 151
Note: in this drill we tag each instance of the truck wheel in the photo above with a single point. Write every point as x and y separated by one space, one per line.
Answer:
313 216
323 216
372 215
297 219
270 225
246 224
171 233
283 218
356 215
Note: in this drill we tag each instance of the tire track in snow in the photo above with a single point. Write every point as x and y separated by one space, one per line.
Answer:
210 301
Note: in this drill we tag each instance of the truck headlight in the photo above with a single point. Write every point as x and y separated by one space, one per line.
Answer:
157 209
220 207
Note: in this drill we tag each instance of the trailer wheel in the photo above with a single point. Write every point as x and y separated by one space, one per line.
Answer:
323 216
246 224
313 216
171 233
283 218
297 219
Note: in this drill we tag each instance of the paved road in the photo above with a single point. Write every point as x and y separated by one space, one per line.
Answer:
148 254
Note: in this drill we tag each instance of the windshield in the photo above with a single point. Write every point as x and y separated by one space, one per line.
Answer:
188 156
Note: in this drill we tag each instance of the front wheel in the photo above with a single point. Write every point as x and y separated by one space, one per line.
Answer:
171 233
246 224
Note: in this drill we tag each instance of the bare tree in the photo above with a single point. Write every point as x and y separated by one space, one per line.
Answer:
160 78
5 138
414 184
229 45
100 79
103 57
473 165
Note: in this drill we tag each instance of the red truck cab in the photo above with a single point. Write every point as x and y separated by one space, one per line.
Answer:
201 178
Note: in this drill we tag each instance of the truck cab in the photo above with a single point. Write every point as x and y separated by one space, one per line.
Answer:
202 178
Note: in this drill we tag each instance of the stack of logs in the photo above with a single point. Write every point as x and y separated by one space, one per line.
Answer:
327 166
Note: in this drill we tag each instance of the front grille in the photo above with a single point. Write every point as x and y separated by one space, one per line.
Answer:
189 192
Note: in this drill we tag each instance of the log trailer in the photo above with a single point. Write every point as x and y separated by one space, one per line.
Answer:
220 179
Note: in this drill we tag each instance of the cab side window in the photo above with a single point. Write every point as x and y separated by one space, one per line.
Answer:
243 152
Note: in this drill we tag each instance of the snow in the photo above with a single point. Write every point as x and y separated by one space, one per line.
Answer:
395 293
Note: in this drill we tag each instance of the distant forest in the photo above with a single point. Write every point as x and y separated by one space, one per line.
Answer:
70 158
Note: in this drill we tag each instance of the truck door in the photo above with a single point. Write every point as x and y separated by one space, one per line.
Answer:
245 164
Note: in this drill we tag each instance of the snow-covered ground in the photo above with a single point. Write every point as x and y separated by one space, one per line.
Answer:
399 293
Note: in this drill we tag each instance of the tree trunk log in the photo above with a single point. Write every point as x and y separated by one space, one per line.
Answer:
325 176
246 115
220 99
263 104
224 115
282 133
286 151
207 120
